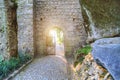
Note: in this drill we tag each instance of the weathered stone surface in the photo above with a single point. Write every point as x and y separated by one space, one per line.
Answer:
101 17
12 27
89 70
63 14
25 26
3 41
106 52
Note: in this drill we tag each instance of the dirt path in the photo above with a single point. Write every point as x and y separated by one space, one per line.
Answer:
47 68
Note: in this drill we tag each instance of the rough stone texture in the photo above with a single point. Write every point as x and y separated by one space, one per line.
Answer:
25 26
106 52
101 17
47 68
3 41
63 14
89 70
11 27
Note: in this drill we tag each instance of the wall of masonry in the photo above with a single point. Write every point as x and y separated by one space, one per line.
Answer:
3 41
64 14
34 23
25 26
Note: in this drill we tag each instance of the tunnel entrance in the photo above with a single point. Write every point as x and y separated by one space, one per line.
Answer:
55 42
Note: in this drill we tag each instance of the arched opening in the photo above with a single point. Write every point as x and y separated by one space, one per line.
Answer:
55 42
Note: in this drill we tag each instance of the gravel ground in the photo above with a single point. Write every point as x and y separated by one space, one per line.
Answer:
47 68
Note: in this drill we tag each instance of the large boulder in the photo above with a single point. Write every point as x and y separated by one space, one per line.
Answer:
101 17
106 52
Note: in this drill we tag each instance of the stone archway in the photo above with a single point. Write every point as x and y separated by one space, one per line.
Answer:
55 41
58 13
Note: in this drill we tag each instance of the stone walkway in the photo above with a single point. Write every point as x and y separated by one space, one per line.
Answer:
47 68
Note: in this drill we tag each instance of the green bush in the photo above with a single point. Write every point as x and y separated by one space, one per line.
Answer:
81 53
7 66
1 58
84 50
4 67
24 57
14 63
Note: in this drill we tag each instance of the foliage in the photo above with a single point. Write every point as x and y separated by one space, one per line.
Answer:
24 57
13 63
81 53
59 35
4 67
84 50
60 38
1 58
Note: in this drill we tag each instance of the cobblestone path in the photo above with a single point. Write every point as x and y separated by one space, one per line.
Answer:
47 68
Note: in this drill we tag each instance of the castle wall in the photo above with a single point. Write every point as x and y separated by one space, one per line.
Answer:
64 14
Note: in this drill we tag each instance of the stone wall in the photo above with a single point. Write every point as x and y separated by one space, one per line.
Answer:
25 26
64 14
3 41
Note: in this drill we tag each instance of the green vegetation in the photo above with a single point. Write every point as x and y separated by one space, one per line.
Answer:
59 35
1 58
8 66
55 34
84 50
24 58
81 53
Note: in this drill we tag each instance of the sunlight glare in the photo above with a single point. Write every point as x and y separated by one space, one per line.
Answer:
52 33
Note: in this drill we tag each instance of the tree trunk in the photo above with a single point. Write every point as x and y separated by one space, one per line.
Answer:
12 27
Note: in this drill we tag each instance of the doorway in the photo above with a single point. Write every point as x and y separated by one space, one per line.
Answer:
55 42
